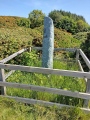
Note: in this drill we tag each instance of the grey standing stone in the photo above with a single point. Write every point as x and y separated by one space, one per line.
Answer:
48 43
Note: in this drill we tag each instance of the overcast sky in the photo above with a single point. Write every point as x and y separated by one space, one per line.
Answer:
23 7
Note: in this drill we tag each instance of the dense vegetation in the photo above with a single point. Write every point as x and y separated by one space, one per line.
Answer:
9 22
14 39
63 20
86 46
70 22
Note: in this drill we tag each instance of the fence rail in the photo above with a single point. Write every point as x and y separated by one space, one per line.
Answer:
40 102
46 89
13 55
46 70
9 73
57 49
81 68
85 58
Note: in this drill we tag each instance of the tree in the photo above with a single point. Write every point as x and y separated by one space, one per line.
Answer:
68 24
36 18
82 26
23 22
75 17
85 46
56 16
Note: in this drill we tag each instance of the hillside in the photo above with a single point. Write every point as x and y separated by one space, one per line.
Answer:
8 21
14 37
13 21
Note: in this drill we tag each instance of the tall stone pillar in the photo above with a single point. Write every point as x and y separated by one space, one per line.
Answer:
48 43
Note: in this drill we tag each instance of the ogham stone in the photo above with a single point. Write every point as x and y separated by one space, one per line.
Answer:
48 43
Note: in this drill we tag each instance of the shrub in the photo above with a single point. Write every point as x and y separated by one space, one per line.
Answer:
23 22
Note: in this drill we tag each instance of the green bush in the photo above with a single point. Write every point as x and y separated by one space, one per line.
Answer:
23 22
15 39
28 58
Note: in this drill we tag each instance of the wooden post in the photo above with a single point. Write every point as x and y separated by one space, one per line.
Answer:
2 78
86 102
29 49
77 55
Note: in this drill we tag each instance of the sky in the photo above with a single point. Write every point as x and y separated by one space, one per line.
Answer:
23 7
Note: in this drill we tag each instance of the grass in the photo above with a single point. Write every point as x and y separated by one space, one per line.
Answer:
11 110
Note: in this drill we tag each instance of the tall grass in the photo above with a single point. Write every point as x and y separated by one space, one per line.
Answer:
11 110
